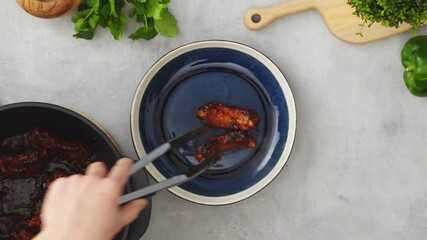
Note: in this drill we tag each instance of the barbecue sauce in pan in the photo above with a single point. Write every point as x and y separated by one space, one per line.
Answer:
29 163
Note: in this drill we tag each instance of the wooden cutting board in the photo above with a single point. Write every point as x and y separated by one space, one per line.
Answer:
337 14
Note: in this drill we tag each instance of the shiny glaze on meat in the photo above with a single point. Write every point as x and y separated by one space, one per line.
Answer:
21 165
230 141
222 116
32 161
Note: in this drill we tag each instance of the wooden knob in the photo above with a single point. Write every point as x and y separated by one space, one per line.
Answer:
48 8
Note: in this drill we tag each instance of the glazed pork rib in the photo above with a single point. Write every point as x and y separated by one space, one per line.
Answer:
14 166
222 116
220 143
25 150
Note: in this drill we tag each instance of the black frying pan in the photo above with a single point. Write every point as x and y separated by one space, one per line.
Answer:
64 123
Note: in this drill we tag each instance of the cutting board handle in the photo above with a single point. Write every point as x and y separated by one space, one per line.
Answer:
257 18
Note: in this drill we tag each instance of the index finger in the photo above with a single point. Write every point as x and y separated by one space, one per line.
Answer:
120 171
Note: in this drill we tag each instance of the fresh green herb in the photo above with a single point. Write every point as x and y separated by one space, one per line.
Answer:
391 13
117 19
106 13
153 15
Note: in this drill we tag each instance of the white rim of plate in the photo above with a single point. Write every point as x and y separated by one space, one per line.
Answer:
223 200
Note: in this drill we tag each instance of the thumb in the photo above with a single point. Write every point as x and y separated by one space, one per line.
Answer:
131 210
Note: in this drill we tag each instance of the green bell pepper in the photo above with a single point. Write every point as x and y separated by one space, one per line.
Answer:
414 59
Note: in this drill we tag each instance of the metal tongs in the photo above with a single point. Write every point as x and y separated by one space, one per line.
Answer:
176 180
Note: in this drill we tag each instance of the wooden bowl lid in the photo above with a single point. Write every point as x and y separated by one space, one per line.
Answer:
48 8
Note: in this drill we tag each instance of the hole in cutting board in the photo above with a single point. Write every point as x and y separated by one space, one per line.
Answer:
256 18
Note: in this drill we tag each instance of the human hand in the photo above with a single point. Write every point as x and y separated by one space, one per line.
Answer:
85 207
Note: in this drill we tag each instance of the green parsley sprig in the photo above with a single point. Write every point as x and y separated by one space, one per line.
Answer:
153 15
155 18
391 13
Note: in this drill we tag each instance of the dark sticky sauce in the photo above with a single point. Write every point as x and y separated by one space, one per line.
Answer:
24 181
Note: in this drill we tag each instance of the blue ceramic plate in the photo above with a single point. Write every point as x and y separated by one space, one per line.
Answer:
166 103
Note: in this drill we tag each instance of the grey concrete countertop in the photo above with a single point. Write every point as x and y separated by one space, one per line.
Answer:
358 169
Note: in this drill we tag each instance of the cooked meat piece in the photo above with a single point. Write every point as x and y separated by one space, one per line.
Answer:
59 148
226 142
72 152
75 154
37 139
222 116
35 222
41 139
23 165
23 233
15 144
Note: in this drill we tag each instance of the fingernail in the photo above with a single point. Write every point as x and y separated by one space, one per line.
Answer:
142 202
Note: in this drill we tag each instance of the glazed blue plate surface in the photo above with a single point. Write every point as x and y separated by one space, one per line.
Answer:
167 107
